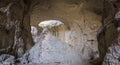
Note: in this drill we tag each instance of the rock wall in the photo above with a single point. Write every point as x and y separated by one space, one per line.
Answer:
15 36
78 40
108 37
81 21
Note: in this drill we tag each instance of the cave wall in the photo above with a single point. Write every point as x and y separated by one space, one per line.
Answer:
81 30
15 36
81 18
108 36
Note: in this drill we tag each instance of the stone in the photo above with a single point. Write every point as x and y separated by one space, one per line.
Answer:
117 15
6 59
34 30
112 57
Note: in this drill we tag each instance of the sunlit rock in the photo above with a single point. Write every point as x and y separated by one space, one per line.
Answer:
50 23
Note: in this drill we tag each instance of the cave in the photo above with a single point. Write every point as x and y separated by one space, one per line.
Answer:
59 32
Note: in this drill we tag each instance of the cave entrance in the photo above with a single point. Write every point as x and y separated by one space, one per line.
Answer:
82 23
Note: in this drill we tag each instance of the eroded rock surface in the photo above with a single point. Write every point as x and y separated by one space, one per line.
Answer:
109 35
73 42
50 50
81 21
15 36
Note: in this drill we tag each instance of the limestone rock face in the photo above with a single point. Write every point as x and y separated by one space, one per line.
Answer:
51 50
15 36
109 35
112 56
74 41
81 21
